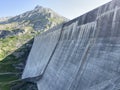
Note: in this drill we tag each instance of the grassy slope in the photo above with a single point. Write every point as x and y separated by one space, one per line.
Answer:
11 67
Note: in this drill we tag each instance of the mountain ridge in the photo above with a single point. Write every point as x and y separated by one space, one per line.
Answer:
39 18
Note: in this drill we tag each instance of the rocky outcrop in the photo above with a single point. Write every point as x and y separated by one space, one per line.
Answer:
83 54
6 33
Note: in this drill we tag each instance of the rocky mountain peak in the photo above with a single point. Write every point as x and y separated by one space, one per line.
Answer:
38 7
39 19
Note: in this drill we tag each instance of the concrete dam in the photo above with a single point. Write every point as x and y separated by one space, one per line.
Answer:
82 54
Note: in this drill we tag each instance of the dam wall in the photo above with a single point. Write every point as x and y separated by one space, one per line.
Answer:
41 52
82 54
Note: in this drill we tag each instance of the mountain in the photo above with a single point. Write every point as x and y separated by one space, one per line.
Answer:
16 38
39 19
4 19
26 26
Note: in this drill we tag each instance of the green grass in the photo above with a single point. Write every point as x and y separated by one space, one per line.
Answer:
8 64
10 44
9 26
8 77
5 86
8 68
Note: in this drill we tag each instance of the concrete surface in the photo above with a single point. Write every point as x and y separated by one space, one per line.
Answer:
83 54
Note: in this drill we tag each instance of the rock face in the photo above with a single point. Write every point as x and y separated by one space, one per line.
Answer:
6 33
83 54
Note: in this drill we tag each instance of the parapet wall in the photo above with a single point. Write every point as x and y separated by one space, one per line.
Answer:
83 54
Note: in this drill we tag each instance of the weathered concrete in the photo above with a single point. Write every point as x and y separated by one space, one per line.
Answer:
44 45
84 54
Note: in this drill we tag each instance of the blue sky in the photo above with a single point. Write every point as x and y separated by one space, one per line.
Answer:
67 8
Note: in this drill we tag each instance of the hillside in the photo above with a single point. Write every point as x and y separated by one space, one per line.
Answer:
25 26
16 39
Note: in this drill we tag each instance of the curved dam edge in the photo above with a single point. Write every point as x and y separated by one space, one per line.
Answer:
47 43
82 54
